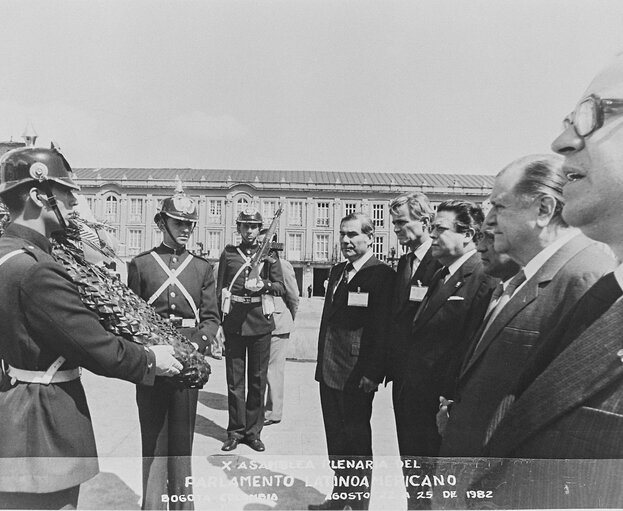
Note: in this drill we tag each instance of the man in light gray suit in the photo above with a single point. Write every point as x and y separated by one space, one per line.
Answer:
285 312
559 265
568 404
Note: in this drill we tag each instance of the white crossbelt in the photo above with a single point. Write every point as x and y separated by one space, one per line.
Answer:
172 280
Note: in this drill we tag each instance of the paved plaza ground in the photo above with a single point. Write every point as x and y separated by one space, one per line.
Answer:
293 471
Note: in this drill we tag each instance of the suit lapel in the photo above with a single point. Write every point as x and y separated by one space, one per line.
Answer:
334 276
454 283
403 283
527 294
355 282
567 382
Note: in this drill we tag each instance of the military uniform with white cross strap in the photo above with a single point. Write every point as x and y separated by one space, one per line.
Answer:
247 331
181 287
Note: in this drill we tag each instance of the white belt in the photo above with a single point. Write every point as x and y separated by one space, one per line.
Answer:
42 376
246 299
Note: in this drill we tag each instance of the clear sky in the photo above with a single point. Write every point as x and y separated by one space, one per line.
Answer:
430 86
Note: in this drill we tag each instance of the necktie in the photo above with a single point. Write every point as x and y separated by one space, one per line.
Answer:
597 300
495 307
435 284
411 260
342 286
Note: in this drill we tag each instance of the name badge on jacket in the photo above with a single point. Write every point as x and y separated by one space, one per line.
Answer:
357 299
417 293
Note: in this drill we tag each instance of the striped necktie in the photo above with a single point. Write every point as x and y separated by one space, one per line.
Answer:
495 307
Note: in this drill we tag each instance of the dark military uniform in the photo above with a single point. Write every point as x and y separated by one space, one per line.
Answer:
46 439
167 414
247 330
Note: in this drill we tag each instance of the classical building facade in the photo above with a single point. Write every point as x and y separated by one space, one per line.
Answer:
313 203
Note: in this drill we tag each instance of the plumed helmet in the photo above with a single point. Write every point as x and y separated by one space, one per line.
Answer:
179 206
34 164
249 216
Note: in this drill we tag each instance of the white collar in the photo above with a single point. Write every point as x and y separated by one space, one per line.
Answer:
452 269
420 252
360 262
535 264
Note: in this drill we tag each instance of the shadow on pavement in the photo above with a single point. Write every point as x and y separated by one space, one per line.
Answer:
213 400
206 427
107 491
291 493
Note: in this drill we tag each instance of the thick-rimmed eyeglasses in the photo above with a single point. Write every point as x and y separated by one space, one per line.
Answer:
589 115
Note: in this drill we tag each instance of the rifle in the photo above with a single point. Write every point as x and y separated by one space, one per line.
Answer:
264 250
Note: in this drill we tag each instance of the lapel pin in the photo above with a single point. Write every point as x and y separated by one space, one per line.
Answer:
458 284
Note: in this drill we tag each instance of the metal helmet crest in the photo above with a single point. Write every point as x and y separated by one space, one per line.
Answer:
178 206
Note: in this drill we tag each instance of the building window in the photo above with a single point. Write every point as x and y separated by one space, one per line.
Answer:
295 213
378 215
236 239
378 247
111 209
136 211
135 241
294 247
156 236
215 211
91 204
213 244
350 208
269 207
322 214
321 247
113 231
241 204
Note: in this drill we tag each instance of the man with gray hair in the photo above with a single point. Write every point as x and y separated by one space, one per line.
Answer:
351 359
568 403
559 264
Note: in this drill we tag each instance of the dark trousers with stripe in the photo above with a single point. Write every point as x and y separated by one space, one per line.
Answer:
167 418
246 354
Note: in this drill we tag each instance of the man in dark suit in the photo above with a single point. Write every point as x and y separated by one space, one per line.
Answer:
459 292
568 404
351 357
411 215
47 446
181 288
500 266
559 265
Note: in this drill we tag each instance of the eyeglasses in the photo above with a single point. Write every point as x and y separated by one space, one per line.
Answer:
589 115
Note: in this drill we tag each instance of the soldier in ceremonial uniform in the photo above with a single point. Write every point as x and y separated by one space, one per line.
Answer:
47 446
247 323
181 287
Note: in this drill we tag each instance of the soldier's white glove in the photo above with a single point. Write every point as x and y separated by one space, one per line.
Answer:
166 363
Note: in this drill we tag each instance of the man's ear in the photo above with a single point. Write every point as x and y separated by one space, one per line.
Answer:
469 235
547 209
37 197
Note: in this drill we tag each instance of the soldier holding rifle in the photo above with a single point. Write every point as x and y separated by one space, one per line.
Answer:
247 281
